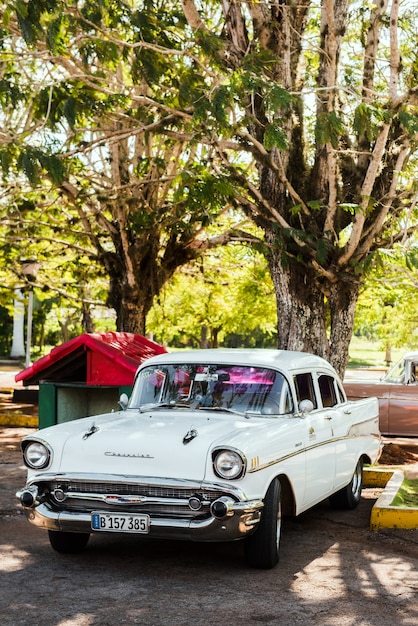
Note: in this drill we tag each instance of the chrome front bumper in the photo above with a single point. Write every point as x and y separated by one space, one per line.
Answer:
232 517
240 520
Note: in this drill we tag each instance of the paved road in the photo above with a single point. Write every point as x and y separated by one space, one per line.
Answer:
333 572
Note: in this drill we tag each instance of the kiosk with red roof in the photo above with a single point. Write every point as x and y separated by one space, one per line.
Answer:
86 375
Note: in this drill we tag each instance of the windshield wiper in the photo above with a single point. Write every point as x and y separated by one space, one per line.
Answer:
163 405
223 409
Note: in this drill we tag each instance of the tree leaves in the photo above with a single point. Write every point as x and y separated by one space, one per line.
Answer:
278 98
34 163
329 128
275 137
409 120
165 125
56 35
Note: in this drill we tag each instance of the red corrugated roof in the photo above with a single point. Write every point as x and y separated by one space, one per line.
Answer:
110 358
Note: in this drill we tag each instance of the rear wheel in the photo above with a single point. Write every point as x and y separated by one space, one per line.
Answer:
68 543
349 497
262 548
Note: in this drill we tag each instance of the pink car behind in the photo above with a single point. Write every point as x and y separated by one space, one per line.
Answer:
397 392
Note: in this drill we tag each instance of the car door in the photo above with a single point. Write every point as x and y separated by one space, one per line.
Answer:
397 393
403 409
356 389
338 414
319 443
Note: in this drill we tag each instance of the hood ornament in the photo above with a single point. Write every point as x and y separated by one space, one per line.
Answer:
189 436
93 429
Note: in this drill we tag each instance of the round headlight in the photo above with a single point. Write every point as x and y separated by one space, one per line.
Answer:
228 464
36 455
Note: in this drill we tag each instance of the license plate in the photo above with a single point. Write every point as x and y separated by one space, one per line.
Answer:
120 522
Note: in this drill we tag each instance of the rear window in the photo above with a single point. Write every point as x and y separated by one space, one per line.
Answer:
327 390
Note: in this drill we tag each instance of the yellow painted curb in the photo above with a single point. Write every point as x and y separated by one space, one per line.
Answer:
377 477
384 515
29 421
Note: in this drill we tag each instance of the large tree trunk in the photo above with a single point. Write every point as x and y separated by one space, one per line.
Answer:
342 301
300 306
131 315
131 304
313 315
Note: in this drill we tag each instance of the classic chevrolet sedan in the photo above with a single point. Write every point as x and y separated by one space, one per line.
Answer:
397 392
213 445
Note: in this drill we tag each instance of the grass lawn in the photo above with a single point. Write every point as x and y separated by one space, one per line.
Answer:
407 494
365 353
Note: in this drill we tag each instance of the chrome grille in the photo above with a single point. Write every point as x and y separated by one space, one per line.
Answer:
176 505
151 491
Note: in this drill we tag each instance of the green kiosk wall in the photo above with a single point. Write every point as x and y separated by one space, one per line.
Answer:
62 402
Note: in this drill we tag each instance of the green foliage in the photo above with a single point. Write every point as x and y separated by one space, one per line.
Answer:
69 110
139 132
278 98
230 295
315 205
6 330
409 121
364 122
10 93
34 162
407 494
5 162
56 35
202 193
191 90
30 165
221 104
387 309
322 251
329 128
28 19
274 137
350 207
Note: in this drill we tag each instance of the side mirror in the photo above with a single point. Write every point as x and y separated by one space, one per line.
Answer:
123 401
305 407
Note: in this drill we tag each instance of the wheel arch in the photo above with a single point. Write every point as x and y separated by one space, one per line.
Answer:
287 495
365 458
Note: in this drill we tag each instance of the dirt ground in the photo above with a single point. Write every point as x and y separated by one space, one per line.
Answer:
333 570
405 454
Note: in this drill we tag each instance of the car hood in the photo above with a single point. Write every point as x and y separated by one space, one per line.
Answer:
166 444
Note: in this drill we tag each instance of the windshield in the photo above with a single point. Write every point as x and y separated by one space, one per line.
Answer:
198 386
405 371
396 374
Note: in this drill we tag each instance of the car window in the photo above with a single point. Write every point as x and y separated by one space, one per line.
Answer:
235 387
413 376
305 388
397 373
327 390
340 394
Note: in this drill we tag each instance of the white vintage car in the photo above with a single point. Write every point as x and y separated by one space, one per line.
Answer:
214 445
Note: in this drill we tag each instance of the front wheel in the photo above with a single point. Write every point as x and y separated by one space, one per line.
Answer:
68 543
349 497
262 548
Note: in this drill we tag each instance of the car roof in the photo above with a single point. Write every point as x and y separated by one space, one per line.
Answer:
281 359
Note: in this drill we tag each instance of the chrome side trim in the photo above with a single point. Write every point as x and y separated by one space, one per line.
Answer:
312 447
257 468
